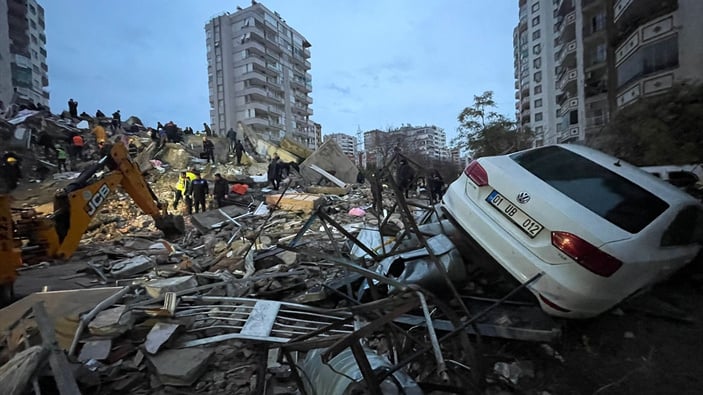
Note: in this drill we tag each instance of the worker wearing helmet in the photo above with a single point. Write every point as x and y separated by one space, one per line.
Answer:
10 170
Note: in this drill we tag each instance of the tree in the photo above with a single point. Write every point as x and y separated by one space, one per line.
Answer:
485 132
657 130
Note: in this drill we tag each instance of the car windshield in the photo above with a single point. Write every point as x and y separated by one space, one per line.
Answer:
607 194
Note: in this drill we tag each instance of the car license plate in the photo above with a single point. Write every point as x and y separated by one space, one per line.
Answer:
524 221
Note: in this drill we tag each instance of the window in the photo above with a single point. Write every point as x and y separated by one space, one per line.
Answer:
535 21
538 104
538 89
537 49
539 129
535 34
598 22
537 76
537 63
32 9
535 7
538 117
599 55
598 189
573 117
649 59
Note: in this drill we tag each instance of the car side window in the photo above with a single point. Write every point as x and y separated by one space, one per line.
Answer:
685 229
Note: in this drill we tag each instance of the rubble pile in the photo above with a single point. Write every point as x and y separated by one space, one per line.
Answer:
322 287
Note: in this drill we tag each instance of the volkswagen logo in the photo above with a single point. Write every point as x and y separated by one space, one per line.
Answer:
523 197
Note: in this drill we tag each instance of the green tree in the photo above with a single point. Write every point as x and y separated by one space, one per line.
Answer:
657 130
485 132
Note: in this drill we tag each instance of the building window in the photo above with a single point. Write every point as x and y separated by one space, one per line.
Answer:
32 9
535 34
539 129
535 7
535 21
649 59
537 49
33 24
537 63
598 23
538 76
538 89
573 117
538 103
538 117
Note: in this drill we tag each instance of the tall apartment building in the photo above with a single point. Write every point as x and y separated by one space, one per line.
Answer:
535 91
426 141
347 143
652 45
5 70
26 41
258 74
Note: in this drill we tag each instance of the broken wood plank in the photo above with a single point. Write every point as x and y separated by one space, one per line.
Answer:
18 371
304 202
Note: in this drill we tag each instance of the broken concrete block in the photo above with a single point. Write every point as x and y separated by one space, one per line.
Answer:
98 350
157 288
304 202
330 158
131 266
159 334
288 257
111 322
180 367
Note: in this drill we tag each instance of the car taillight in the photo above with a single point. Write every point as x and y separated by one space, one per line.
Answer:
585 254
477 174
552 304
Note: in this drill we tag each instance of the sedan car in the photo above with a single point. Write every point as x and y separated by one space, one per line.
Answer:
597 228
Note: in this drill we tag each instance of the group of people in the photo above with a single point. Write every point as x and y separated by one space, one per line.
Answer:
194 190
405 178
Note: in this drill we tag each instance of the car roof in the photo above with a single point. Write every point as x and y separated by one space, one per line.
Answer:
648 181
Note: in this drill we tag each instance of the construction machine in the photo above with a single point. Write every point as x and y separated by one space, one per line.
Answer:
26 235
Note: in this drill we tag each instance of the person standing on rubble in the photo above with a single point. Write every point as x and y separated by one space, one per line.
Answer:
99 132
78 143
132 149
116 120
73 108
436 184
404 176
238 151
11 170
232 139
219 191
180 192
61 157
209 149
274 172
188 194
200 191
99 114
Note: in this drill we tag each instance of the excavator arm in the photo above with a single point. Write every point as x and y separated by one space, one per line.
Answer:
75 208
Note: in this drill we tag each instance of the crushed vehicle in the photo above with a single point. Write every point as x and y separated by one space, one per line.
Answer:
599 229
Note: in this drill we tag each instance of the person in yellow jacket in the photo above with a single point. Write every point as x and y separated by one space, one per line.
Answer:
181 186
99 132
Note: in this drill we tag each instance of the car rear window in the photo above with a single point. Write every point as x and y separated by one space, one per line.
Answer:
617 199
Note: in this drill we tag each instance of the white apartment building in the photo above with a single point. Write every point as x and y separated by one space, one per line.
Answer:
533 48
347 143
653 45
427 141
5 70
258 74
26 41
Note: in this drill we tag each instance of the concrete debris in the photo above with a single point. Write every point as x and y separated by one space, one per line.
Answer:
130 266
159 334
112 322
303 202
180 367
98 350
159 287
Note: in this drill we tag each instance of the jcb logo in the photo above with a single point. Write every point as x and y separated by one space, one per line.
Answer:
96 200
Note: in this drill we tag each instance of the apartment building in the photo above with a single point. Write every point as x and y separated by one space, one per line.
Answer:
23 47
653 44
535 91
426 141
347 143
657 43
258 74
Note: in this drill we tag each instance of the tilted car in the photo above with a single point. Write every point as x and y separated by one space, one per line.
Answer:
598 228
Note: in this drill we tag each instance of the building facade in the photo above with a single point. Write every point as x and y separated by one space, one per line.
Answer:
606 54
258 74
27 51
5 70
426 141
347 143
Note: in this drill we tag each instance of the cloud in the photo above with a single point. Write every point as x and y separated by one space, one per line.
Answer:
345 91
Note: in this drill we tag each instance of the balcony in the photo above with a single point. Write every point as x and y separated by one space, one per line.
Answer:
566 79
567 29
565 7
568 106
564 58
568 135
255 47
629 17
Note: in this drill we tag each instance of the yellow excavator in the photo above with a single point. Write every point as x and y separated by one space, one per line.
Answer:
26 235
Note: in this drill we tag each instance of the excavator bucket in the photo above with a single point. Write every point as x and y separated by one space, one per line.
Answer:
171 225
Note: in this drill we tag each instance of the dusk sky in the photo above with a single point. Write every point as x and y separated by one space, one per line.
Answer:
375 64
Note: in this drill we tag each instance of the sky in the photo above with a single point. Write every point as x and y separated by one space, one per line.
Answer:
375 64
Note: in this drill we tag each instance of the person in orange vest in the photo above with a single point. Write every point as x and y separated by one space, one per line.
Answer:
78 143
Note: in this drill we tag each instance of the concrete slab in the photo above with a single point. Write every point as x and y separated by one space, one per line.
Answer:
159 287
330 158
98 350
209 220
304 202
180 367
159 334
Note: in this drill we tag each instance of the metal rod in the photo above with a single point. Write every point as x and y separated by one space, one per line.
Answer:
441 366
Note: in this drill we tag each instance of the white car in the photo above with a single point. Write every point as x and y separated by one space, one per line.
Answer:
599 229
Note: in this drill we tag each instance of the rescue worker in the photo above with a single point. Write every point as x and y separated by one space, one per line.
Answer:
404 176
61 157
219 191
11 171
78 143
116 120
188 194
99 114
274 172
200 191
238 151
73 108
436 185
209 149
132 149
180 192
231 139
